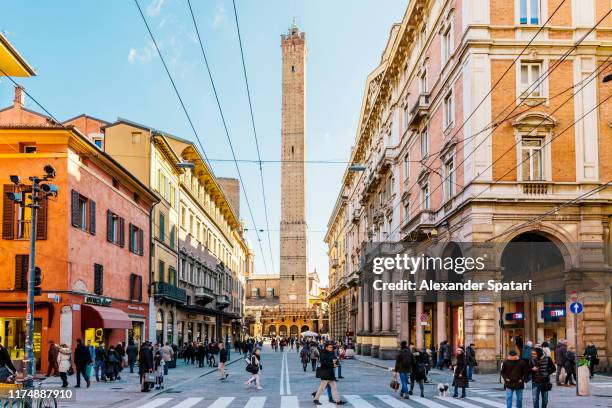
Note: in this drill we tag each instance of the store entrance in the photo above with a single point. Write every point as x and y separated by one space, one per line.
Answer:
514 340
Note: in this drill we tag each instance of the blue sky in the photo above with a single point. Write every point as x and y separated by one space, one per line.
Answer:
96 57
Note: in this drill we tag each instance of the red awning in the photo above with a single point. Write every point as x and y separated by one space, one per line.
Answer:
104 317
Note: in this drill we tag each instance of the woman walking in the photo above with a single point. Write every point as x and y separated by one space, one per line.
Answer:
64 362
418 371
304 357
460 378
327 375
591 354
254 367
313 355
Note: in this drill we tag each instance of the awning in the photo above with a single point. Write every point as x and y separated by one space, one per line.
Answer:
104 317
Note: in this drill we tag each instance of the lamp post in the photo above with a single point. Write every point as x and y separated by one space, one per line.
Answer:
40 189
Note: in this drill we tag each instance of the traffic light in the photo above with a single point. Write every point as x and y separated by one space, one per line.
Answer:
37 281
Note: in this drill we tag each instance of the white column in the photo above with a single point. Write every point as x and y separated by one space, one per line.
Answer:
419 327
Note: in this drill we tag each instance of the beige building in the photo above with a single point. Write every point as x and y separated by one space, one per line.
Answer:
469 135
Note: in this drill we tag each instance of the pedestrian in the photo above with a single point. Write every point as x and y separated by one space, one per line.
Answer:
112 364
222 360
99 366
327 375
514 372
418 372
64 363
460 374
200 354
470 354
145 366
52 358
82 360
313 355
446 355
254 367
591 354
304 357
167 354
526 355
132 354
570 367
403 366
560 353
541 367
158 367
546 349
120 349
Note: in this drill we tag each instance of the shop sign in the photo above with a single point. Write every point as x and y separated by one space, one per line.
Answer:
139 308
553 313
97 300
515 316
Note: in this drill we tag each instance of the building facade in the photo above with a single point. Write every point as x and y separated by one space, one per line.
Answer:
469 133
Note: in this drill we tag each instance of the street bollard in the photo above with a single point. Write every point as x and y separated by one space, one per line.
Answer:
583 380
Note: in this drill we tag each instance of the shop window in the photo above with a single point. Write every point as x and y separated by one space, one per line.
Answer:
98 279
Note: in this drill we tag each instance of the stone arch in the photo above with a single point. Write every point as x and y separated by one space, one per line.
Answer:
293 331
272 330
159 326
282 330
304 328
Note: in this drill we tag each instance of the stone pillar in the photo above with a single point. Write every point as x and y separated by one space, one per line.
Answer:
377 324
386 305
440 320
419 327
404 332
165 327
366 337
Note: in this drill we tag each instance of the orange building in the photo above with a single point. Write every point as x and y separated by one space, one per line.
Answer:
92 242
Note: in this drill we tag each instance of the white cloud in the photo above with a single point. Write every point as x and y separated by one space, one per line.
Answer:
220 16
142 55
154 8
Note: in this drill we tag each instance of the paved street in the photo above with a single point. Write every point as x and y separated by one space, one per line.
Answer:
285 385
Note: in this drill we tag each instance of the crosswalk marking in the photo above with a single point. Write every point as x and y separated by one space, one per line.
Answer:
427 402
289 401
155 403
392 401
602 385
358 402
221 402
188 403
459 402
325 401
487 402
255 402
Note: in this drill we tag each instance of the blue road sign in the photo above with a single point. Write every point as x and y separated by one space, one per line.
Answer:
576 308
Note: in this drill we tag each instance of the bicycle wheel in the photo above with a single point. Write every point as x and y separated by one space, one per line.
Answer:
50 402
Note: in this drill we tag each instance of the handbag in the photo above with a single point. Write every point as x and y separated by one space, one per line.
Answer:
394 384
70 369
150 378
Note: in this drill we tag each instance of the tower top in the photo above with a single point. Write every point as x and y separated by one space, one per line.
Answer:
294 32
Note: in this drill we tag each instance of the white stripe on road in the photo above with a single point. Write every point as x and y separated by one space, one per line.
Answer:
427 402
222 402
288 386
281 389
255 402
325 402
392 401
602 385
358 402
487 402
290 401
188 403
459 402
155 403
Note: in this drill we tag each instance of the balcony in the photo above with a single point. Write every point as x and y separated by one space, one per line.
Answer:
356 216
163 290
334 263
385 160
204 295
223 302
535 188
23 229
419 111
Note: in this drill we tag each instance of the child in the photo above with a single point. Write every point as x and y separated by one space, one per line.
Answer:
159 370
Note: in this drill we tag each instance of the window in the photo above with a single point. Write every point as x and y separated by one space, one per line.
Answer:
22 266
448 110
136 137
30 148
424 145
447 44
183 217
98 279
115 229
191 224
99 143
449 174
530 12
161 269
172 236
83 212
172 276
162 227
136 240
425 196
407 210
406 167
423 82
531 85
531 159
135 287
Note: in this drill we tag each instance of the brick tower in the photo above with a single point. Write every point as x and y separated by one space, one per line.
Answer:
293 250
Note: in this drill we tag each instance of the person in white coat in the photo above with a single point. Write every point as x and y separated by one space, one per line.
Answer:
64 362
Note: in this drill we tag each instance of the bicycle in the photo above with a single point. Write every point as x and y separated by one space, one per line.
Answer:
47 401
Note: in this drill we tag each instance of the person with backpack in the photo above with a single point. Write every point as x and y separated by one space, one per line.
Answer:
254 367
541 367
418 371
514 371
313 355
403 366
304 356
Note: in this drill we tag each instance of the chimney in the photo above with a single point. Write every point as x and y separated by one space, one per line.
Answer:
19 96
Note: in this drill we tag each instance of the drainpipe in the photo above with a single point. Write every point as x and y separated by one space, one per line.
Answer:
152 311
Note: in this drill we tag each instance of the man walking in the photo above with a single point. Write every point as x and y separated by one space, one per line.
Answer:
560 354
403 363
167 354
99 366
145 365
132 354
541 367
470 354
513 374
82 360
52 358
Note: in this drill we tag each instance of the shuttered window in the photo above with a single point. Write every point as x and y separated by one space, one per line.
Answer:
21 271
8 213
98 279
135 287
136 237
115 229
83 212
16 221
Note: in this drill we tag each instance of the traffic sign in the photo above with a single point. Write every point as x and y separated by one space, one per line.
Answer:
576 308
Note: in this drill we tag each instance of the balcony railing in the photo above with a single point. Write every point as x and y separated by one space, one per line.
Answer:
223 301
419 111
204 294
167 291
23 229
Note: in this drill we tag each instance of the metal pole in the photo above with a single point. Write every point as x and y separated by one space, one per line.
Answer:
576 345
29 349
